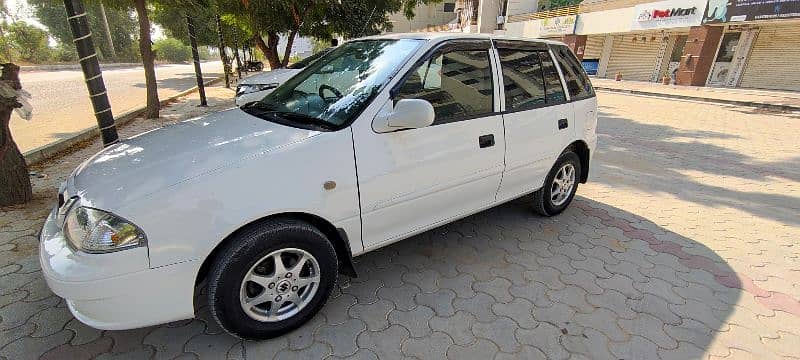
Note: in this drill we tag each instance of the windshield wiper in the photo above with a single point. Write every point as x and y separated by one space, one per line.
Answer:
257 104
306 119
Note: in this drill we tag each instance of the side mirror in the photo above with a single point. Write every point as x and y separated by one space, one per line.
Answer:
407 114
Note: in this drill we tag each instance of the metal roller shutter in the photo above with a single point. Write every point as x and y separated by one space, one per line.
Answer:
594 46
772 62
634 59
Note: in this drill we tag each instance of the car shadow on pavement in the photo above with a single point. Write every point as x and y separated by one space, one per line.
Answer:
621 163
595 280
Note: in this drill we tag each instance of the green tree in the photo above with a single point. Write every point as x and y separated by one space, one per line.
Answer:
322 19
28 42
121 21
173 50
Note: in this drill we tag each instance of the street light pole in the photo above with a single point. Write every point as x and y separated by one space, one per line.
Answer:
198 73
82 37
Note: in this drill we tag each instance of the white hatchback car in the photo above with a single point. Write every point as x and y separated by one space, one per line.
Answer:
380 139
255 87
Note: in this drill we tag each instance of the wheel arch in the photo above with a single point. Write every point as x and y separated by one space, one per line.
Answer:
580 148
337 237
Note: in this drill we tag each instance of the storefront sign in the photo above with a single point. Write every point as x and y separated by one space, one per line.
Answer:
719 11
561 25
668 14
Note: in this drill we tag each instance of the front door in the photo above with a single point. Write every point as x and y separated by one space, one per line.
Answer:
414 179
722 63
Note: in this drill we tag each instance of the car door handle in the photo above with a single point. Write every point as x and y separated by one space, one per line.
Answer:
562 124
486 141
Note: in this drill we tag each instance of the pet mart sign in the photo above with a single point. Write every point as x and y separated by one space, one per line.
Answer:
668 14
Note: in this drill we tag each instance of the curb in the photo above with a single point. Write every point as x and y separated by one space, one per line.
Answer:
56 67
776 107
45 152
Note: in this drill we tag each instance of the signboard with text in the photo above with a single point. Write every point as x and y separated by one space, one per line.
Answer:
560 25
720 11
668 14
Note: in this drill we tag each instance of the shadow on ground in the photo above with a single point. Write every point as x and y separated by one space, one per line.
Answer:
680 151
596 280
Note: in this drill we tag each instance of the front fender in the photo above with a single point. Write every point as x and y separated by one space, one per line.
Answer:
186 222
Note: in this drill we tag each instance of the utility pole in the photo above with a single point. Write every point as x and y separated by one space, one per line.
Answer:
198 73
107 29
222 55
82 37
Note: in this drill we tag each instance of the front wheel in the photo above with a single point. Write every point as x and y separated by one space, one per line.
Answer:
559 186
271 278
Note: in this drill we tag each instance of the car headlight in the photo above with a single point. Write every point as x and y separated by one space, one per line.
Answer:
251 88
96 231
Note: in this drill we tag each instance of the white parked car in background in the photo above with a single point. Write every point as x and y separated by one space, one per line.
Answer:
255 87
380 139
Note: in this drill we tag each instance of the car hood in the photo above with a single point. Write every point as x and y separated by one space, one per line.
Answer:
275 76
139 166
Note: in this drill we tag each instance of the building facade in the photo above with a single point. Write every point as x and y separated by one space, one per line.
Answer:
724 43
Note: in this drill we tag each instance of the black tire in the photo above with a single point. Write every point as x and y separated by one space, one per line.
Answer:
243 251
542 198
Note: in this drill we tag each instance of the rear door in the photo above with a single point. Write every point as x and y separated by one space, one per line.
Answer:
537 115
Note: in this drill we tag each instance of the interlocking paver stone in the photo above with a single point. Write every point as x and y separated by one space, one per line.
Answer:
458 326
375 315
545 338
500 332
433 346
682 245
385 343
479 350
341 337
415 321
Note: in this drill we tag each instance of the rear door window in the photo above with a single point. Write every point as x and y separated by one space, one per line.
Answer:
530 79
578 83
523 80
555 90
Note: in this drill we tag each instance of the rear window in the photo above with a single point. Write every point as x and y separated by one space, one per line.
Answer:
578 83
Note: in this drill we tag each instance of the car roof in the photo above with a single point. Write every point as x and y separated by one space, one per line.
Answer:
442 36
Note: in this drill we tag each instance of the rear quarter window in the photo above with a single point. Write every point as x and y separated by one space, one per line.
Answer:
578 83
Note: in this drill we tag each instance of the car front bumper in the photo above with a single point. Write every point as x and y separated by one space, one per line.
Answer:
118 290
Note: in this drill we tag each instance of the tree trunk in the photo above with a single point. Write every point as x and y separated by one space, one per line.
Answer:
15 183
148 59
198 72
107 30
222 56
270 50
288 52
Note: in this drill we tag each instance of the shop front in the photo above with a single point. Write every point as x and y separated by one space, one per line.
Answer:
760 43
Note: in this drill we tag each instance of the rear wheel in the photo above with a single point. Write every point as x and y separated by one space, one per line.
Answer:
271 279
559 187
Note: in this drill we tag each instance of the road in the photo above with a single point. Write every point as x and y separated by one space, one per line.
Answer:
61 101
683 245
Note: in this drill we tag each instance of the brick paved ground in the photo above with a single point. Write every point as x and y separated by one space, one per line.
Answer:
684 245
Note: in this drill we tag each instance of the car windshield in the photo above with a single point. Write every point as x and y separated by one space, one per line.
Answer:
303 63
333 89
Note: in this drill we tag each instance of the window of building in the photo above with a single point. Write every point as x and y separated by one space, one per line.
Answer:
578 83
457 83
449 7
523 80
